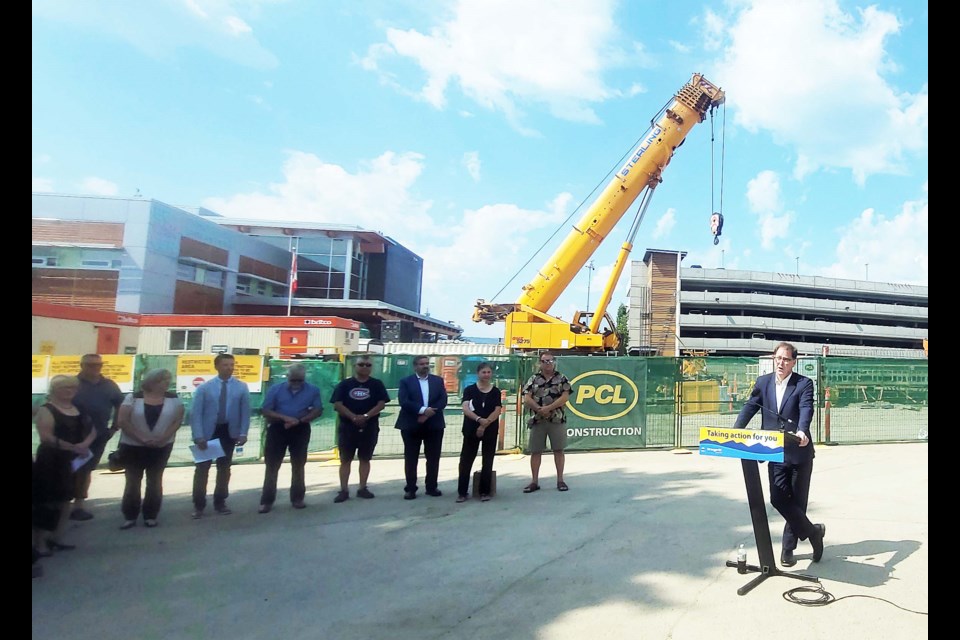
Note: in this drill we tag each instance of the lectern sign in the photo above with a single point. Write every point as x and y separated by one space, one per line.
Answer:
748 444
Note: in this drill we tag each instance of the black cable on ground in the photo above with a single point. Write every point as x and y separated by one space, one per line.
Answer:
824 598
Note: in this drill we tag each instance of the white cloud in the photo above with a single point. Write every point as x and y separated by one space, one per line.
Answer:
779 54
98 187
763 193
471 160
504 55
896 249
481 242
666 223
43 185
764 199
375 197
159 29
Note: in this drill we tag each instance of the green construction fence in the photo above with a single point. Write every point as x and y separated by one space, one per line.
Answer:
617 402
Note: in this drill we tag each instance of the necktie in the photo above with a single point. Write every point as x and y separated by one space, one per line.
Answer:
222 410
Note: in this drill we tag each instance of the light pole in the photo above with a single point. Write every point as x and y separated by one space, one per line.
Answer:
798 265
722 251
866 269
589 278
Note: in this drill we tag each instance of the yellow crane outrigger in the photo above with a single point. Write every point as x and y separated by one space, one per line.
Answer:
528 325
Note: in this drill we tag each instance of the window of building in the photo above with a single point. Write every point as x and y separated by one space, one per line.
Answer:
213 278
261 288
186 340
243 284
186 271
45 261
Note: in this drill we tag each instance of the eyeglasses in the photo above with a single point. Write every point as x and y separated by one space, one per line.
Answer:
546 362
779 359
363 364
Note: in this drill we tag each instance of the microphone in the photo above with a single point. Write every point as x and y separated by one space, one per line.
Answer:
788 436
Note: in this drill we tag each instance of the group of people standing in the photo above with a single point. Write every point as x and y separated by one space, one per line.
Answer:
74 426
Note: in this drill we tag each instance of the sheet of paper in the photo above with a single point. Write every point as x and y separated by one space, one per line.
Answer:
213 451
78 462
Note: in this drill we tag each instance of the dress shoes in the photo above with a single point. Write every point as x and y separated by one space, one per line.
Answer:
817 541
436 493
787 559
81 514
409 495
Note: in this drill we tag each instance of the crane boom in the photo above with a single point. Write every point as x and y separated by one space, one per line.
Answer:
643 170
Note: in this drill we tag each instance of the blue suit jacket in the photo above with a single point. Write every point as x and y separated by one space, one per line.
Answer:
797 407
411 400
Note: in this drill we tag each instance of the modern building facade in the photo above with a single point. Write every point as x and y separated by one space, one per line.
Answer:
134 255
677 310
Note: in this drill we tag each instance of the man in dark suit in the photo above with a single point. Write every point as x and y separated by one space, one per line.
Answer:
786 399
422 398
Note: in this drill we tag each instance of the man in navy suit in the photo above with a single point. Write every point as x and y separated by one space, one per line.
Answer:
422 398
786 399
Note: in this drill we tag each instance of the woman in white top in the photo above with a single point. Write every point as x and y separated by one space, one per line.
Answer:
148 421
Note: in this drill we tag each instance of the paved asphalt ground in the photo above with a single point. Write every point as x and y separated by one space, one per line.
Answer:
635 550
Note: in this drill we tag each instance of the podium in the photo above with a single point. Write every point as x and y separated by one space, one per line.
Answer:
751 446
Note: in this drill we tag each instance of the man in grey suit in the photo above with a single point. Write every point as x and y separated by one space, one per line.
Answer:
422 398
220 409
786 398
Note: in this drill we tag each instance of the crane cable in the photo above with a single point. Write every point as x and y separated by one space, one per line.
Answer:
602 181
723 149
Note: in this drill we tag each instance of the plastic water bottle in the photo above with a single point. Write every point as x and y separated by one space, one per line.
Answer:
238 451
741 559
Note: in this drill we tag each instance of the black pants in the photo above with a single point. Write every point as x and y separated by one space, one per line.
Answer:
789 490
468 453
222 487
279 439
432 442
137 461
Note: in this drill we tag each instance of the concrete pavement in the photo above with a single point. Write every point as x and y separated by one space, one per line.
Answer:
636 549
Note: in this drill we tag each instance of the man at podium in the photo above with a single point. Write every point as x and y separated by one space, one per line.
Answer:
785 400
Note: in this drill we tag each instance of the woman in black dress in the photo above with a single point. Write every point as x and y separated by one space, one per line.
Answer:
481 413
65 436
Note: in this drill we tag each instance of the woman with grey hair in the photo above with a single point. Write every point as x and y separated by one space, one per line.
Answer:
148 421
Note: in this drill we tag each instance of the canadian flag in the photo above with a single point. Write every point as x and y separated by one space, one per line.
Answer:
293 274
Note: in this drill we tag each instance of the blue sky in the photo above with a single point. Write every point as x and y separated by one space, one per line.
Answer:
470 131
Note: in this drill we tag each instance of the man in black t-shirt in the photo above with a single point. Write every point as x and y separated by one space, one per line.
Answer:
358 401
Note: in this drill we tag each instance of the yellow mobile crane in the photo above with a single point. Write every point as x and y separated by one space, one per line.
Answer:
528 325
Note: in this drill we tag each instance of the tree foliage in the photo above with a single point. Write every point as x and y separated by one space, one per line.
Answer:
622 330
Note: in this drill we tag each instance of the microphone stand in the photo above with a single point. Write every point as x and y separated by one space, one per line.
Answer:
761 526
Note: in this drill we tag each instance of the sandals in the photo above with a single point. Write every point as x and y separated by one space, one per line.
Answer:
530 488
562 486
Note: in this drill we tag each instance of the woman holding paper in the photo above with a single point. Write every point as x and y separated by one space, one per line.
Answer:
481 413
148 421
65 438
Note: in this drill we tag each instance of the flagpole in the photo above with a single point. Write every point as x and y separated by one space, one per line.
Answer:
292 278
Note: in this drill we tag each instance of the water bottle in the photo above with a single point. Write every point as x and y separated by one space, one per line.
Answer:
238 451
741 559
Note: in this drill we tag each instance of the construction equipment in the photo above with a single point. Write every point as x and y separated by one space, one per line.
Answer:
529 327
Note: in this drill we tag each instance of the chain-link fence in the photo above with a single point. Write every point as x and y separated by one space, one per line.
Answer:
616 403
